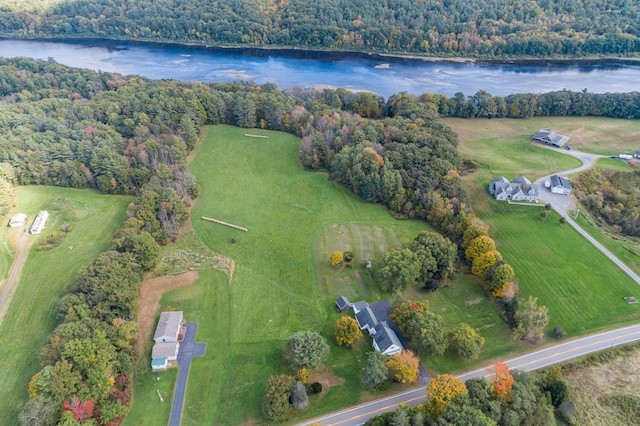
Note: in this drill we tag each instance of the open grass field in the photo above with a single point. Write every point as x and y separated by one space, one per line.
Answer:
582 288
283 281
605 136
46 276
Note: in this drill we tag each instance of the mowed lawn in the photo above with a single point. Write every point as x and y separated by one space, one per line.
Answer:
582 288
259 184
46 276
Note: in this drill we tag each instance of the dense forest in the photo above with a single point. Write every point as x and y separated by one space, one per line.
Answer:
476 28
611 197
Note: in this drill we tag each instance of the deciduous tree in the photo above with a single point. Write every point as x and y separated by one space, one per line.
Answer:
479 246
398 269
275 403
467 342
81 410
435 253
404 366
39 411
306 349
336 258
428 332
442 390
483 263
405 311
502 380
531 320
347 331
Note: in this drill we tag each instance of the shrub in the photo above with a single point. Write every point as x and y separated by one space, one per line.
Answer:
348 256
315 387
336 258
430 285
559 332
67 227
52 241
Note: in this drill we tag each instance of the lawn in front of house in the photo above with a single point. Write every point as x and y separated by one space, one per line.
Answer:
46 277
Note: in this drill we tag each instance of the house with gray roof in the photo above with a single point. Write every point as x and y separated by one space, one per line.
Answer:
519 189
551 138
560 185
386 340
168 327
366 319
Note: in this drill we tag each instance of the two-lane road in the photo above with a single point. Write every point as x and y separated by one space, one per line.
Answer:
359 414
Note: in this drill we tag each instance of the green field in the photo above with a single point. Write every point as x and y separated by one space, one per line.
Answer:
605 136
46 276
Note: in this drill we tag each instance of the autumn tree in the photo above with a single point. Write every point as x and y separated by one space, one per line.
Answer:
473 231
336 258
375 371
303 376
531 320
275 403
479 246
461 412
404 366
306 349
39 411
483 263
467 342
502 380
347 331
405 311
398 269
500 275
81 410
442 390
428 333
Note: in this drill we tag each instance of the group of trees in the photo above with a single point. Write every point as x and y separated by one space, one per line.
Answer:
305 350
612 197
7 192
509 398
428 333
471 28
430 257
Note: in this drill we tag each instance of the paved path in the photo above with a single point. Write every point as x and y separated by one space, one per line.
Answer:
24 244
189 349
564 204
359 414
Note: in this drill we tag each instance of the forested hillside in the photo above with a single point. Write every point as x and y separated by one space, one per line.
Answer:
479 28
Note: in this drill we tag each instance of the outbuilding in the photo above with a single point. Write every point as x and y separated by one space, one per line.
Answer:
560 185
19 219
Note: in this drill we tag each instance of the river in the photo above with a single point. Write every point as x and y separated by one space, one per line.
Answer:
295 68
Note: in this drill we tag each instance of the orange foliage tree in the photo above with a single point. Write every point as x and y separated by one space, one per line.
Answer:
502 380
404 366
441 391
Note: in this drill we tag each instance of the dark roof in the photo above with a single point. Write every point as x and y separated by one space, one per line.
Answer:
521 179
550 137
343 303
385 337
359 305
366 317
557 180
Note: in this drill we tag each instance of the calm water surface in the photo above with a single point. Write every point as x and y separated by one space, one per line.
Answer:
288 69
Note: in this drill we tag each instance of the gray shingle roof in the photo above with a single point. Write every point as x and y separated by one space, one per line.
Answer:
168 324
359 305
343 303
366 317
557 180
385 337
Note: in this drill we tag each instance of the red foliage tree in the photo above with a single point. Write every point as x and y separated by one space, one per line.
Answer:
81 410
502 380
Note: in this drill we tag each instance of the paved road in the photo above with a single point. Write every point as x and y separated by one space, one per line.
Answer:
24 244
189 349
359 414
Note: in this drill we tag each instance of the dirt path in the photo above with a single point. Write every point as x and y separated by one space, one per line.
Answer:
150 293
23 245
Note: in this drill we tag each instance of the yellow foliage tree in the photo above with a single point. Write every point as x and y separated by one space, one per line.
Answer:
33 386
479 246
303 375
404 366
347 331
441 391
507 291
336 258
482 264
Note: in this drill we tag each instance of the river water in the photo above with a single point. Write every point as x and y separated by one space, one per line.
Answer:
294 68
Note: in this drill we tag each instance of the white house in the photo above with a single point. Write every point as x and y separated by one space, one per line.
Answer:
165 350
519 189
386 340
18 220
168 327
39 222
366 318
560 185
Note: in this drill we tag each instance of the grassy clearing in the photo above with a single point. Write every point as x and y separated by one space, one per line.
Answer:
605 136
608 393
582 288
46 276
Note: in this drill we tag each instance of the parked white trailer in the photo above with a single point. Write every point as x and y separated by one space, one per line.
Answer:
625 156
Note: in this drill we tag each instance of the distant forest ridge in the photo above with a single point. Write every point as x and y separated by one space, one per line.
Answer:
445 28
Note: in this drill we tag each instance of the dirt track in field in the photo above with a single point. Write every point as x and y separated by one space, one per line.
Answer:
150 293
23 245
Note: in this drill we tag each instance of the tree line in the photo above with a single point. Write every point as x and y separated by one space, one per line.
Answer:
479 28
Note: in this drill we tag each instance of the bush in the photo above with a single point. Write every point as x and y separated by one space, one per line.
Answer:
348 256
559 332
67 227
315 387
52 241
547 206
430 285
384 385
